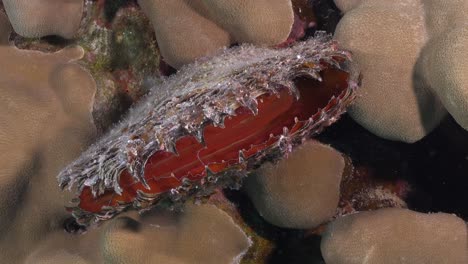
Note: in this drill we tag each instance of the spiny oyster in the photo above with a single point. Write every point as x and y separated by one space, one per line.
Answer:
203 95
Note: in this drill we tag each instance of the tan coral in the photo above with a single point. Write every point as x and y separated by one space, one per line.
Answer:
442 64
57 257
200 234
411 54
262 22
62 247
183 34
38 18
346 5
189 29
45 122
386 38
301 191
396 236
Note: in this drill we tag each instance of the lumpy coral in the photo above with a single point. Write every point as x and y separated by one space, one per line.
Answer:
38 18
410 55
241 111
184 34
198 234
346 5
442 65
396 236
301 191
187 29
261 22
45 122
201 234
219 117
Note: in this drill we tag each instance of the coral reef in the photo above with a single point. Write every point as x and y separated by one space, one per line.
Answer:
263 22
79 66
346 5
176 238
49 17
396 236
441 65
45 122
198 234
417 82
187 30
301 191
123 57
407 110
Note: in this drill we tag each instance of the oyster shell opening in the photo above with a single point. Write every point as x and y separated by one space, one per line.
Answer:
241 138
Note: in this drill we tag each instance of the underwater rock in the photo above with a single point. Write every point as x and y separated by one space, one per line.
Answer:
187 30
45 122
210 124
38 18
396 236
386 39
199 234
363 192
123 57
300 191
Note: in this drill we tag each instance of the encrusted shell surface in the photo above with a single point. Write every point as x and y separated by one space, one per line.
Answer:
203 93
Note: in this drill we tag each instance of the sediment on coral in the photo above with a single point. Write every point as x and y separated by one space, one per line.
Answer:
113 174
123 57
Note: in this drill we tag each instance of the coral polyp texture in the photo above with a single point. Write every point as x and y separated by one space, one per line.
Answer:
187 29
45 17
45 122
209 230
212 123
396 236
411 54
301 191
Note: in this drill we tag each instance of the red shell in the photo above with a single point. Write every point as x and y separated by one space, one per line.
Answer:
266 107
244 131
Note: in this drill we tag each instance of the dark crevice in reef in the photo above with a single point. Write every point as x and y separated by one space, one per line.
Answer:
290 245
440 169
112 7
50 43
297 250
252 218
327 15
435 167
